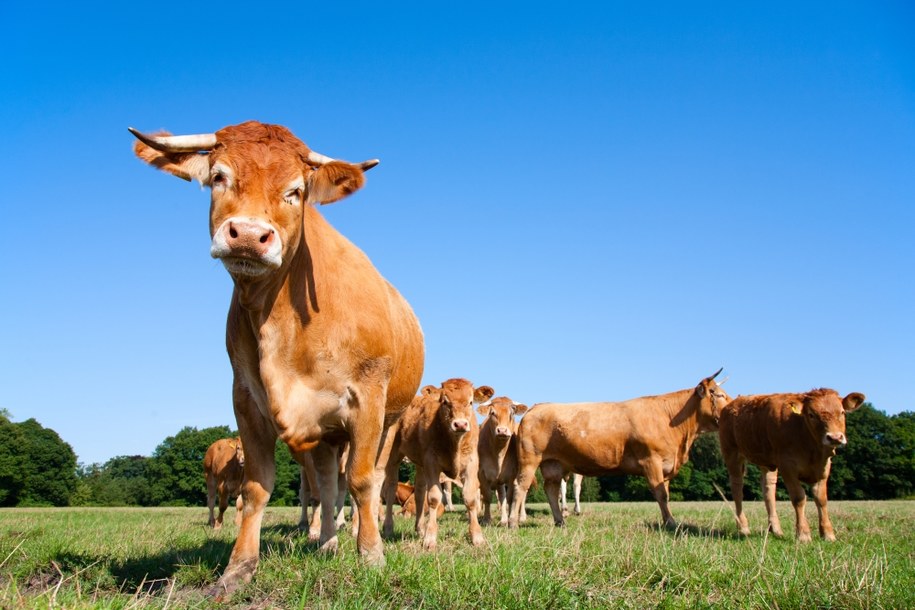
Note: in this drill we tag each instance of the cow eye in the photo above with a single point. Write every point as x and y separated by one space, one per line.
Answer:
293 196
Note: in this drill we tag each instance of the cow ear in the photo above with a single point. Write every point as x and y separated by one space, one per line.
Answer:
701 390
852 401
483 393
428 390
333 181
484 409
520 409
187 166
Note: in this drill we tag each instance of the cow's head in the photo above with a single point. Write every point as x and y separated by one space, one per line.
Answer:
502 412
456 399
261 177
712 398
824 414
239 451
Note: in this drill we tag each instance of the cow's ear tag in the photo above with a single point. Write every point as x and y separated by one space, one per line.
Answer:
795 408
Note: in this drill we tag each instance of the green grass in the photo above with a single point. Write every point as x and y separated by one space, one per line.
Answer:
615 555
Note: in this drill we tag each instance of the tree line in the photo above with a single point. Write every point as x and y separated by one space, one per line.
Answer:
37 468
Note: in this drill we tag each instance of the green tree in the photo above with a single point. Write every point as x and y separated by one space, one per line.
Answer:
121 481
12 461
175 471
49 466
286 486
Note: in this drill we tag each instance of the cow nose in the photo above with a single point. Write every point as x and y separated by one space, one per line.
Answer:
835 438
250 236
503 431
460 425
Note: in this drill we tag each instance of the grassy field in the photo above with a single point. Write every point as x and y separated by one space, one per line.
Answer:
615 555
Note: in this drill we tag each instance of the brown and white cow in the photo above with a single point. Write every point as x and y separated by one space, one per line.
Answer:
648 436
792 434
498 454
224 468
323 349
438 432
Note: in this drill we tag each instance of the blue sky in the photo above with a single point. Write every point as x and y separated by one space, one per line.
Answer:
587 203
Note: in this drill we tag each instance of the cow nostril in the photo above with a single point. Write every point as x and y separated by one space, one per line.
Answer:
266 236
233 233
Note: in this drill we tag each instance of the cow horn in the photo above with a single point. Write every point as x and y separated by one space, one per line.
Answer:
716 374
721 383
317 158
177 144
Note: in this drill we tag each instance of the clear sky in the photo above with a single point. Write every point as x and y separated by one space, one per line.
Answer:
586 202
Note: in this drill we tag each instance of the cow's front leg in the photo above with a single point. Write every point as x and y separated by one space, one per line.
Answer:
430 509
819 498
799 501
259 439
327 468
769 481
471 493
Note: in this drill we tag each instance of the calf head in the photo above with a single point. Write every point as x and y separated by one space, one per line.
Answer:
261 177
239 452
456 399
824 414
712 399
502 412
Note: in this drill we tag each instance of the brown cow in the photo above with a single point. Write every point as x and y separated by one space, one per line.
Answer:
322 348
407 500
438 432
223 465
498 453
792 434
648 436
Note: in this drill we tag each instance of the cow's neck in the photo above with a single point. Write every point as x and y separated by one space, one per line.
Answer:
683 411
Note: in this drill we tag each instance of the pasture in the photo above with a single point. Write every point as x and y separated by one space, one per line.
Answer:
615 555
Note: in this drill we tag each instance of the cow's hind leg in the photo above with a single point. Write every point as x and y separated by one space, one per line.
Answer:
553 472
211 499
769 481
223 504
660 488
433 499
526 475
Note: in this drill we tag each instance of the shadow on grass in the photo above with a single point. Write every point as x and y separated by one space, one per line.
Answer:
688 529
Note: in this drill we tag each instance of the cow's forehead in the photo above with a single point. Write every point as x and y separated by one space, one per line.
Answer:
458 390
824 401
501 405
269 151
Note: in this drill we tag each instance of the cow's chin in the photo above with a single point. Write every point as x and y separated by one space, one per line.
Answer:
246 268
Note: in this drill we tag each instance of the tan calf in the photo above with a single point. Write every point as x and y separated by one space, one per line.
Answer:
223 466
498 453
792 434
438 432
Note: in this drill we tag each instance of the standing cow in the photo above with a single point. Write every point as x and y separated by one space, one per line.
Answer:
322 348
498 453
792 434
648 436
224 468
438 433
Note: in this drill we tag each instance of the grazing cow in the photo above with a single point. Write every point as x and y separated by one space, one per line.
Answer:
792 434
576 493
438 432
498 453
648 436
224 467
323 349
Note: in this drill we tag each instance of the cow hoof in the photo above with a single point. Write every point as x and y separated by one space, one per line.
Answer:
478 540
429 544
670 525
313 537
803 537
743 532
234 576
329 547
374 557
830 537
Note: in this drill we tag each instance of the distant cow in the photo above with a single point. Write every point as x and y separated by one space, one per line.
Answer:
648 436
438 432
223 466
498 453
792 434
323 349
407 500
576 493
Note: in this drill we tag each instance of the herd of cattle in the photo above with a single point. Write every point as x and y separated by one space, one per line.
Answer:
327 356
